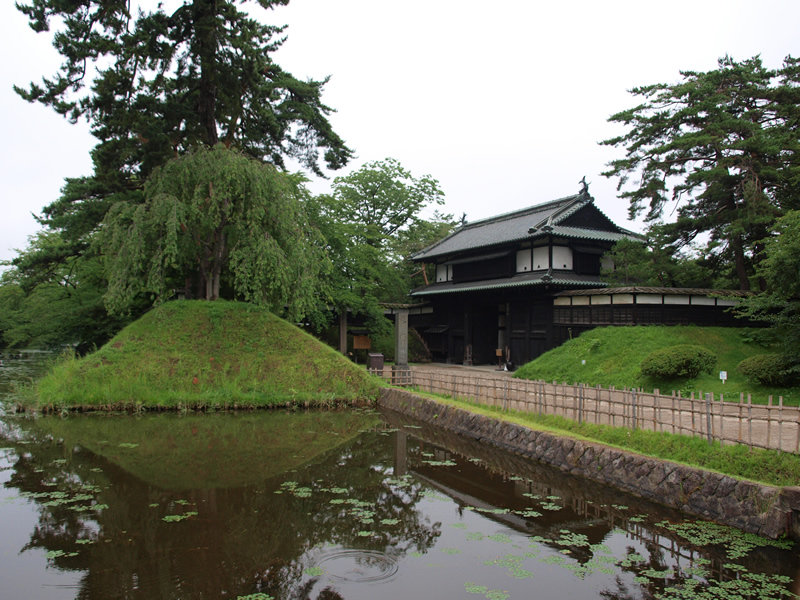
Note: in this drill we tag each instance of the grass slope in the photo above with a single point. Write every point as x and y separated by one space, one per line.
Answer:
195 354
614 356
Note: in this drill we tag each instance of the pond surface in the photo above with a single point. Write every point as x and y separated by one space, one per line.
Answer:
330 505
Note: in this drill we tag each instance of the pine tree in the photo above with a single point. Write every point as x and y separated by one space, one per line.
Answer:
154 85
723 145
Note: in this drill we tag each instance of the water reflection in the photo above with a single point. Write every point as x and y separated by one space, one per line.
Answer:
329 505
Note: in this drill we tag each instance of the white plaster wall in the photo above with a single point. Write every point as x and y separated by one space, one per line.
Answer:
524 260
562 257
541 258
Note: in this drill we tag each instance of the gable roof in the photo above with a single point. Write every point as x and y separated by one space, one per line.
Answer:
558 218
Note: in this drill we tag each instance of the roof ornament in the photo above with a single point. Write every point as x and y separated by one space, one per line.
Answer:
584 187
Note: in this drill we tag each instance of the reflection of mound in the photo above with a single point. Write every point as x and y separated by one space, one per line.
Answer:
200 451
363 566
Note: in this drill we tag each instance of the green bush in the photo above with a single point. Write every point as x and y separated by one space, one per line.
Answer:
679 361
767 369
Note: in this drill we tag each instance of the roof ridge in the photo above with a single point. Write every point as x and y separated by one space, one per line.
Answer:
518 212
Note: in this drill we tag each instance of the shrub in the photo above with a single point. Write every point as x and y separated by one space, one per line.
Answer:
679 361
767 369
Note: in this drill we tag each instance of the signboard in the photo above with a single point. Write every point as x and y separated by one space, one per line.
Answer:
723 375
361 342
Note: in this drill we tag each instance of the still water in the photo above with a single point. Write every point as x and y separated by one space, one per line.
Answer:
330 505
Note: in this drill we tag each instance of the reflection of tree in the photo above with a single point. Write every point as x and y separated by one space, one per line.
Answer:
242 540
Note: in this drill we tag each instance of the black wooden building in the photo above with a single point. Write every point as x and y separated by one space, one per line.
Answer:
496 278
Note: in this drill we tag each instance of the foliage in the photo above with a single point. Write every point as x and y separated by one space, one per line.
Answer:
370 222
654 262
211 215
767 369
186 354
684 360
164 83
723 146
779 305
613 357
58 305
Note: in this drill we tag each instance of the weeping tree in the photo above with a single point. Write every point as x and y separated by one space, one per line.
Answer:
214 220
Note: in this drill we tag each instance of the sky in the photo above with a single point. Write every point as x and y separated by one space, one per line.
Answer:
503 103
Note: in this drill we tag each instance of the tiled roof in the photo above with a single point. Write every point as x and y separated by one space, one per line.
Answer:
496 230
586 234
525 280
529 223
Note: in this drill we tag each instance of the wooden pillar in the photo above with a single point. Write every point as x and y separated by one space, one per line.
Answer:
401 337
343 331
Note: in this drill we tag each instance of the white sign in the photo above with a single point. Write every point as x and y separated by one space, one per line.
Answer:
723 375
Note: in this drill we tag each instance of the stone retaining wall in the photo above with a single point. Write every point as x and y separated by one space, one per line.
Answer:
752 507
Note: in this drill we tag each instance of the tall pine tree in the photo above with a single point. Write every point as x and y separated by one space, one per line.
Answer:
724 146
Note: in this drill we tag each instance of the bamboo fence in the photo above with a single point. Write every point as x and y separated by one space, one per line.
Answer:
714 417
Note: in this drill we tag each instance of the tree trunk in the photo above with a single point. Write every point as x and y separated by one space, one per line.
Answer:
206 35
739 261
216 267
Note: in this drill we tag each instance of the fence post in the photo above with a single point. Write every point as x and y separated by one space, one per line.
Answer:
580 403
656 417
769 421
708 418
633 406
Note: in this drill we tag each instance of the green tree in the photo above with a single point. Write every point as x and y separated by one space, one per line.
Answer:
366 222
162 83
154 85
210 217
59 305
655 261
779 304
723 146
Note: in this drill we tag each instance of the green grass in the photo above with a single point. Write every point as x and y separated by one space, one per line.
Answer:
197 354
765 466
613 357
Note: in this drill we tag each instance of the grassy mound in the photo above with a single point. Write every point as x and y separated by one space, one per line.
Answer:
196 354
614 355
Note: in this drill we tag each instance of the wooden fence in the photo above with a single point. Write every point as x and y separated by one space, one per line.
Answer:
714 417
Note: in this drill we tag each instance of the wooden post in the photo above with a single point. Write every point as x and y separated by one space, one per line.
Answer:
769 421
708 418
343 330
741 408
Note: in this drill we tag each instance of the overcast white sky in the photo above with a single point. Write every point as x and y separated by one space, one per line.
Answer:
503 102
